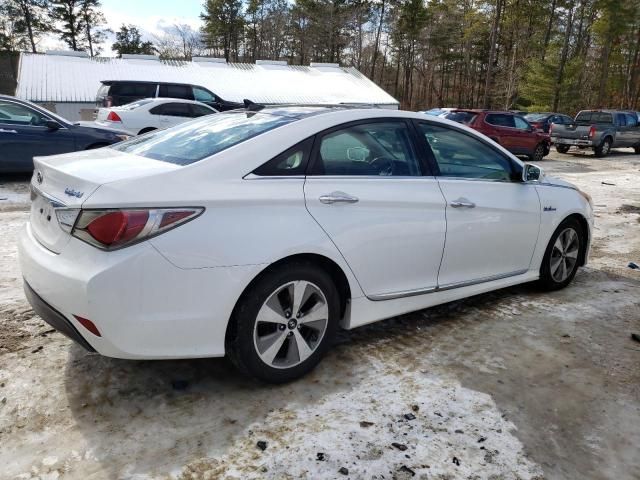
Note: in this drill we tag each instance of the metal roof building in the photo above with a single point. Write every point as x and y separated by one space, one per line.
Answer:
62 79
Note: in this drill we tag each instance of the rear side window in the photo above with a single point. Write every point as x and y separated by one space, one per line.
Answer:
192 141
200 110
621 121
131 89
176 109
176 91
594 117
466 118
291 162
203 95
371 149
521 123
501 120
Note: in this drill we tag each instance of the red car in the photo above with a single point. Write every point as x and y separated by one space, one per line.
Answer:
508 129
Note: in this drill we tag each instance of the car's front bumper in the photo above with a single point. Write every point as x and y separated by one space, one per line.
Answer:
143 306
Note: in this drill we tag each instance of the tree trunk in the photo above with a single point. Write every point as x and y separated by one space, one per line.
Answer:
377 42
492 54
563 58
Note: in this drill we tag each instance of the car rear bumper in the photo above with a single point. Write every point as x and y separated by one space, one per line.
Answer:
54 318
143 306
571 141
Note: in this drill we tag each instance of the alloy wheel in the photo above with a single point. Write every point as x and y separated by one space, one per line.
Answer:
564 255
291 324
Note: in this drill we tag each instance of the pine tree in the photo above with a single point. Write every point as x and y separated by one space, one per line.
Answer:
129 40
27 20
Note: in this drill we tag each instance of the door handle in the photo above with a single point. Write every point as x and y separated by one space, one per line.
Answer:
2 130
337 197
462 203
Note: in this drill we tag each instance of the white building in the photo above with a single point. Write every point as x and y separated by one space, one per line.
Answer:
67 82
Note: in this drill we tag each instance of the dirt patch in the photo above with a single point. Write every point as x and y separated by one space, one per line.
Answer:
629 209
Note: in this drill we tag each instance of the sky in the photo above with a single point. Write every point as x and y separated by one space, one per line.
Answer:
150 16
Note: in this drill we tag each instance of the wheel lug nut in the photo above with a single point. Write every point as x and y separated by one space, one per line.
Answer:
282 327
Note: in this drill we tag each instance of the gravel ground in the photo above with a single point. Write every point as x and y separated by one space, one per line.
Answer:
514 384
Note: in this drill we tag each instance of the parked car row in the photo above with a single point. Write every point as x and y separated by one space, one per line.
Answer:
508 129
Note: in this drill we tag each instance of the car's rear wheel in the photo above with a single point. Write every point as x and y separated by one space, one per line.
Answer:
562 148
284 323
538 153
604 148
562 257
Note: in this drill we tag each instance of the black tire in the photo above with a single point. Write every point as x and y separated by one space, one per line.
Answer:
96 145
240 345
562 148
604 148
637 149
538 153
146 130
547 279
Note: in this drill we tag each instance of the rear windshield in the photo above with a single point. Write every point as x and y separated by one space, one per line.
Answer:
536 117
594 117
192 141
461 117
134 105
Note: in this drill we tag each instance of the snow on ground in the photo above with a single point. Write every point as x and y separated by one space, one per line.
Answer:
509 385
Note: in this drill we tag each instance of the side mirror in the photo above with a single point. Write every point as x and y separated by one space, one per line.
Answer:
52 125
531 173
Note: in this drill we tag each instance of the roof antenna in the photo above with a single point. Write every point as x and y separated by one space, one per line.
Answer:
251 106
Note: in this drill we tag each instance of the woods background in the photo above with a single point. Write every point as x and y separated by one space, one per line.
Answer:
536 55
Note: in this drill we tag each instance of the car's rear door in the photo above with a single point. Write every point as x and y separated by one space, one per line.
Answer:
369 191
504 129
492 218
172 113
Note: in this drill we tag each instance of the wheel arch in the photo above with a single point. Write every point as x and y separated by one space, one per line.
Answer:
146 130
584 225
334 270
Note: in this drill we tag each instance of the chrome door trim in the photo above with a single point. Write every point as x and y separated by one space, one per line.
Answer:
467 283
450 286
407 293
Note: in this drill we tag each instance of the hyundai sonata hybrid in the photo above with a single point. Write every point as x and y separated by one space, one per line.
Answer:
257 233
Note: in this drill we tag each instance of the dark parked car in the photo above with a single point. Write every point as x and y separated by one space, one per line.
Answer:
508 129
114 93
26 130
543 120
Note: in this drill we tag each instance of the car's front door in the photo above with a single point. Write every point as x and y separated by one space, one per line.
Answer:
492 218
24 134
369 191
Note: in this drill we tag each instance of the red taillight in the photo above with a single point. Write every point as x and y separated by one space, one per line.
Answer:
113 117
89 325
592 131
118 227
112 229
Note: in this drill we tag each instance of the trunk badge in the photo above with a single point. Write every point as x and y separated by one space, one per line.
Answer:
73 193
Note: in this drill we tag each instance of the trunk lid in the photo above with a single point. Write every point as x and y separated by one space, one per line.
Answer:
66 181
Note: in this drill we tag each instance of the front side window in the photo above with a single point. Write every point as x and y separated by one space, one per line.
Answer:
521 123
501 120
192 141
459 155
631 120
371 149
203 95
16 114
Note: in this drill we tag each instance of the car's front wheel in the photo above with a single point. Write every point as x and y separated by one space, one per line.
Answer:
284 323
562 257
538 153
562 148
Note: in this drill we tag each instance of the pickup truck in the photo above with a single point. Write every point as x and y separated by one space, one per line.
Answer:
600 130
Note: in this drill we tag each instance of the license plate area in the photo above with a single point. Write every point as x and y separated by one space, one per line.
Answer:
44 223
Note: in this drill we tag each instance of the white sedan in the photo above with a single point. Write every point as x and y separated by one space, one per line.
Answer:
150 114
256 234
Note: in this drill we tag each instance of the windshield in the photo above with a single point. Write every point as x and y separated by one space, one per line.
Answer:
536 117
192 141
461 117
